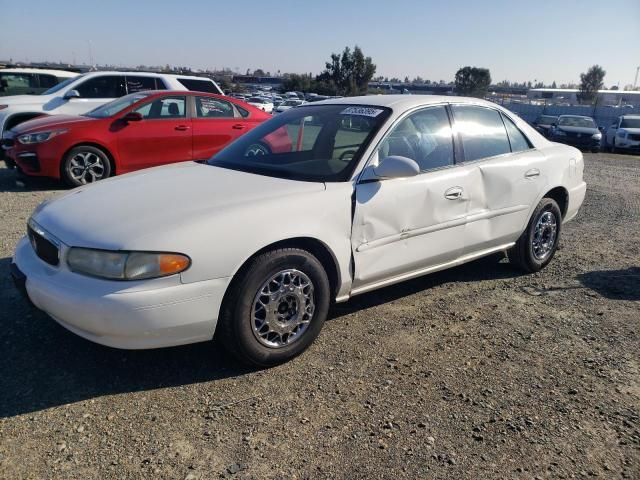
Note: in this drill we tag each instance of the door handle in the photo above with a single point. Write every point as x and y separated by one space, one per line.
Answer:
454 193
182 128
239 126
533 173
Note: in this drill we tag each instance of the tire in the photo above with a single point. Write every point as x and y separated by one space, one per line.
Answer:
546 218
283 278
85 164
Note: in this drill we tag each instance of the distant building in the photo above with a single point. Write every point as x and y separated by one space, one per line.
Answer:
570 96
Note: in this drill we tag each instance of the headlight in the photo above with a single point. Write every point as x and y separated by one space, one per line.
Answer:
126 265
559 133
621 133
596 136
29 138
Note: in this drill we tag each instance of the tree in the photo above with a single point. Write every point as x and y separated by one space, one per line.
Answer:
348 73
553 85
590 83
298 83
473 81
258 73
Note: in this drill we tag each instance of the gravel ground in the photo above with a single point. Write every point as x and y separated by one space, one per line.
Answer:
477 372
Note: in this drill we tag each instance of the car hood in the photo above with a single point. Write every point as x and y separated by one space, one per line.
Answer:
630 130
25 99
588 130
121 212
46 122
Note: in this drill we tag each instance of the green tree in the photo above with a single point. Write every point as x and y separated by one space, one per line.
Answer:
473 81
590 83
348 73
298 83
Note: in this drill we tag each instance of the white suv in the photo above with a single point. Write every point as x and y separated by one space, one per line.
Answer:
83 93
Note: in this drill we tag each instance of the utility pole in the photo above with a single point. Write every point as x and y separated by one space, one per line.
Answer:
635 82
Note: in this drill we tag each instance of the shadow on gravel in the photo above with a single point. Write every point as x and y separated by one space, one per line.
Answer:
614 284
8 183
486 268
43 365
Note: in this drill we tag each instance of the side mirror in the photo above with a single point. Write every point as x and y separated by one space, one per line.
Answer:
396 166
554 125
132 117
72 94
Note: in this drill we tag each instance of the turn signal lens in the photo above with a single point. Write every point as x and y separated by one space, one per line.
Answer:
172 263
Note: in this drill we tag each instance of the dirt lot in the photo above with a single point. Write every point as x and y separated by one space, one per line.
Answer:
473 373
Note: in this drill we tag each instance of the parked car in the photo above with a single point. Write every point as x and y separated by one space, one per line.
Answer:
255 246
137 131
544 123
261 103
578 131
288 104
624 134
30 81
80 94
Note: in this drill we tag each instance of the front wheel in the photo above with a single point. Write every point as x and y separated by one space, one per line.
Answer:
275 308
85 164
537 245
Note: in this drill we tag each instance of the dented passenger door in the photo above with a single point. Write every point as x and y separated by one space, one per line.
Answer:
403 226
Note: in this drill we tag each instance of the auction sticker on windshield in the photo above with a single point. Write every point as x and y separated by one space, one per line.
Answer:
364 111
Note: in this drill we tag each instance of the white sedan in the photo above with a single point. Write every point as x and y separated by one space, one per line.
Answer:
320 203
288 105
262 103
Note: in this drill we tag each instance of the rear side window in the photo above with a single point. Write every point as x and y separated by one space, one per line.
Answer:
18 83
139 84
199 85
243 113
482 132
108 86
207 107
518 141
47 81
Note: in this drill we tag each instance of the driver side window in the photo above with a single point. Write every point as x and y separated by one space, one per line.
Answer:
424 136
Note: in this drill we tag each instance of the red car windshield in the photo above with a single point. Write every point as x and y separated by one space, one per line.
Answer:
318 143
111 108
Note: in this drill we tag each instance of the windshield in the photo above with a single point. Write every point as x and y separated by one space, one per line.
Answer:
257 100
630 123
583 122
61 85
310 143
111 108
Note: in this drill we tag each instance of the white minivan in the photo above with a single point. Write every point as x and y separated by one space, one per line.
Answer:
83 93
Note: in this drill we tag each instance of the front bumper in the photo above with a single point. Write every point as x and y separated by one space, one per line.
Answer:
584 143
118 314
627 144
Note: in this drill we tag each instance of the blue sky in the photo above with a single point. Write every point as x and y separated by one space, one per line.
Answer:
517 40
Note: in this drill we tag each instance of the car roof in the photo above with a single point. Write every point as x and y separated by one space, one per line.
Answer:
576 116
402 102
633 115
59 73
149 74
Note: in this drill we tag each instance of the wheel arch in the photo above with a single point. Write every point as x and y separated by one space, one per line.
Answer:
561 196
316 247
94 144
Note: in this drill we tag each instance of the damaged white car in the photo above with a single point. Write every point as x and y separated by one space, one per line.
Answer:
323 202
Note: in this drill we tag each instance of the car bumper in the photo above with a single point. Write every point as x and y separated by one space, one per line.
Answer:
576 197
627 144
109 313
585 144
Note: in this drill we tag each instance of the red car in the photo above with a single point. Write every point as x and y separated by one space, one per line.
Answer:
136 131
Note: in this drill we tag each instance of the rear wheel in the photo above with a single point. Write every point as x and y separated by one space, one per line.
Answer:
275 308
537 245
85 164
